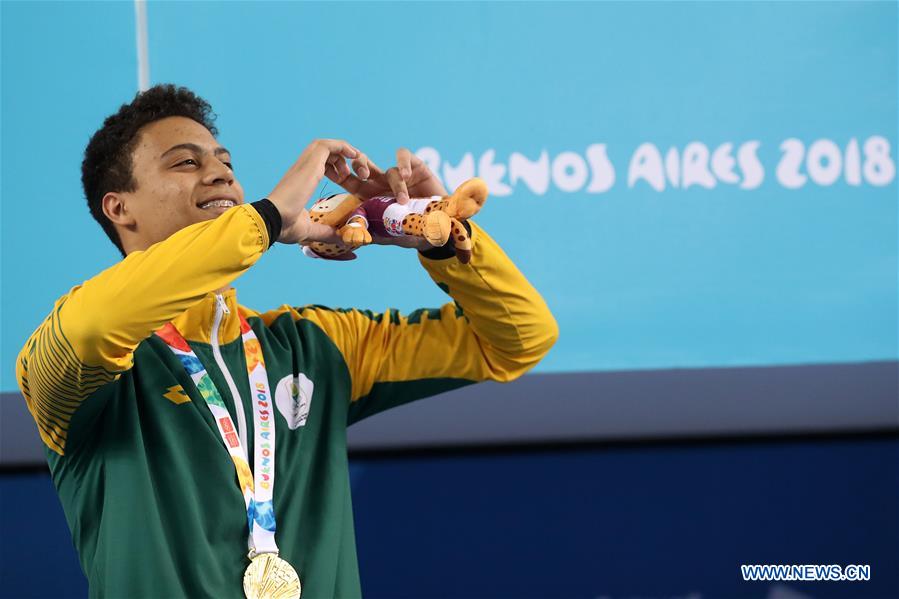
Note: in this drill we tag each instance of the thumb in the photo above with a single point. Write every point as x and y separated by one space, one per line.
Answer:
319 232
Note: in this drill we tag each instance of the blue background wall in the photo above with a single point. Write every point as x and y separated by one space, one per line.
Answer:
638 278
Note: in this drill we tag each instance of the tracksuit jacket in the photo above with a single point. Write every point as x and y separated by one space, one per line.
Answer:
148 489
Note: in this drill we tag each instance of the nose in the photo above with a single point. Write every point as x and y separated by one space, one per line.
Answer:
218 172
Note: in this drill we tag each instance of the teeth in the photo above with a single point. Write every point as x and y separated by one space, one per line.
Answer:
217 204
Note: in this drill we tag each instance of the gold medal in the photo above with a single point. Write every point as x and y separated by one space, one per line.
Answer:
270 577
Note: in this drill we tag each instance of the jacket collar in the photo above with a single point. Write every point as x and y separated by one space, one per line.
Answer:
195 323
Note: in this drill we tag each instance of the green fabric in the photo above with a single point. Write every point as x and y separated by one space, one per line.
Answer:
151 495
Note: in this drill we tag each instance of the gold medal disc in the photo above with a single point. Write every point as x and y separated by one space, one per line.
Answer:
270 577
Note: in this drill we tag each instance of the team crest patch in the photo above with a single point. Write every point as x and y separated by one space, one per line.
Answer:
293 395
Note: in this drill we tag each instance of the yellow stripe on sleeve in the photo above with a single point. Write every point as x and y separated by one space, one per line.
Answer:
91 335
54 381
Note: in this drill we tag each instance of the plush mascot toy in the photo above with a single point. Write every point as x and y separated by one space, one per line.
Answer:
434 219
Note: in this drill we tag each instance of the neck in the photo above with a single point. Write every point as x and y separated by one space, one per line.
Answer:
223 289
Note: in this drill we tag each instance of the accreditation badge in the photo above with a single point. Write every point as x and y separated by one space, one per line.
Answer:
268 576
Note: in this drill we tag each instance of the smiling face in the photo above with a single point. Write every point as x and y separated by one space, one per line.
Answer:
183 177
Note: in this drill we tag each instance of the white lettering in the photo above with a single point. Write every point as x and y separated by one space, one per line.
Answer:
788 168
853 164
824 162
879 167
431 158
492 174
456 176
646 164
723 163
534 174
753 171
672 167
603 171
696 166
569 171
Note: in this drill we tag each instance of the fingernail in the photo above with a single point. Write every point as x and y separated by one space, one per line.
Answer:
402 197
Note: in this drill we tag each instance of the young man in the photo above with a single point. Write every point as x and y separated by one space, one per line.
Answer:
163 403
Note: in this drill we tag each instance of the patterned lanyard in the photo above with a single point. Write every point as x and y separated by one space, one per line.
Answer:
257 490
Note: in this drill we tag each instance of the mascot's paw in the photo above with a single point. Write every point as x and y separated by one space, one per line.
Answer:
467 200
354 235
437 228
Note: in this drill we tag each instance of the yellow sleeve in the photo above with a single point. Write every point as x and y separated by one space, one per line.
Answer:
89 338
498 328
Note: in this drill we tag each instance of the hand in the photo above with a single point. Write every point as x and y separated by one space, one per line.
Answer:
299 183
409 178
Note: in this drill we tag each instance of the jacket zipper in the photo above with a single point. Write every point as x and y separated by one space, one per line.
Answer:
221 308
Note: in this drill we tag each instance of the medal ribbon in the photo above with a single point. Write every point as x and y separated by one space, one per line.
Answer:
257 487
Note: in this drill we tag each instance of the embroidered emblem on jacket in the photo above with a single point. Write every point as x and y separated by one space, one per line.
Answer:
293 395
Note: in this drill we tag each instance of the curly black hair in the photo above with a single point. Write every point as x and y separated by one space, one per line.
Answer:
107 158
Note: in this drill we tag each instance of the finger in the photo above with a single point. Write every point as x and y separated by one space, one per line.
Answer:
420 170
332 174
376 182
320 232
376 174
404 162
338 163
352 184
343 168
332 159
360 166
348 180
397 185
416 163
374 171
349 151
424 178
340 147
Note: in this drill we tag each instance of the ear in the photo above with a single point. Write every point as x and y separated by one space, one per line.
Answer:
115 207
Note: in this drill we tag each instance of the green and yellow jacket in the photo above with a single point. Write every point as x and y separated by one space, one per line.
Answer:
149 492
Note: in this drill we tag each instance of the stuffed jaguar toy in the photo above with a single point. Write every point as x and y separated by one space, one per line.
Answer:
436 220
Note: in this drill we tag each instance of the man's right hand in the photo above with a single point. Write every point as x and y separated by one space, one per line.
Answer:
292 193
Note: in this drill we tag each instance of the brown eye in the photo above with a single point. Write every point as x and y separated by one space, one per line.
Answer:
188 161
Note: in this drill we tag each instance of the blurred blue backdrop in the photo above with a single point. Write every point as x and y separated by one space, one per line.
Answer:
577 114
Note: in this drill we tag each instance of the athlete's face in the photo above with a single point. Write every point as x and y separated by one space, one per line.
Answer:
183 177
